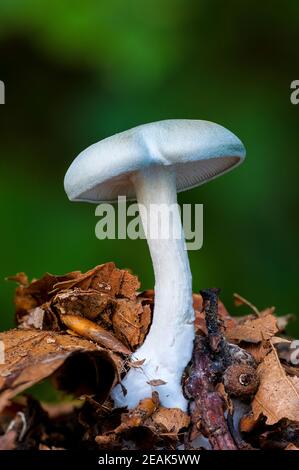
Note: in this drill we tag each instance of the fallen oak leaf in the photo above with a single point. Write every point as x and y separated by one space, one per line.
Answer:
40 318
104 278
168 421
138 415
136 364
131 321
278 394
88 303
156 382
32 295
30 358
129 420
98 334
254 330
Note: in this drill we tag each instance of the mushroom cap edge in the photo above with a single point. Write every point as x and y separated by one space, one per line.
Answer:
199 150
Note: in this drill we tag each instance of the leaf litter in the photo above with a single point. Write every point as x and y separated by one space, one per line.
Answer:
79 330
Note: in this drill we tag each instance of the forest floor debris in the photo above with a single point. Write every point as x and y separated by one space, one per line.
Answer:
79 330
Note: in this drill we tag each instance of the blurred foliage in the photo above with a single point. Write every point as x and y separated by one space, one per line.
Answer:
76 72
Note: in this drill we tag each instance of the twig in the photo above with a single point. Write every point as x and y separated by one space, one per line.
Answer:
214 361
208 405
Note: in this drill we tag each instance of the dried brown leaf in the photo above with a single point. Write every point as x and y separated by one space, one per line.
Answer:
105 278
168 421
139 415
40 318
278 394
131 321
129 420
258 350
28 297
156 382
254 330
30 357
88 303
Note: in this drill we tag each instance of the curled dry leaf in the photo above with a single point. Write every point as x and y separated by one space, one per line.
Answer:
156 382
168 421
84 367
106 295
161 422
104 278
94 332
103 306
138 416
131 321
278 394
37 293
40 318
88 303
254 330
130 420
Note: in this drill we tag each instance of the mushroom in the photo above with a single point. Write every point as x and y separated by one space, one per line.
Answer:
151 163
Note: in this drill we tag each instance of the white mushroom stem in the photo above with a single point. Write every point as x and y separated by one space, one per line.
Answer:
168 346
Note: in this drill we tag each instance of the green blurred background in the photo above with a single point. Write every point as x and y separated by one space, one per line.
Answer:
76 72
